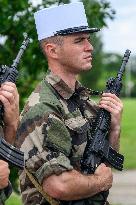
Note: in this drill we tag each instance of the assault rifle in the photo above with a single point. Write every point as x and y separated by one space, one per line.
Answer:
9 73
97 149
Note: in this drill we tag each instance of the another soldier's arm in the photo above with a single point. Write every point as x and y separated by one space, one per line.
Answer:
114 105
4 174
5 187
72 185
5 193
10 99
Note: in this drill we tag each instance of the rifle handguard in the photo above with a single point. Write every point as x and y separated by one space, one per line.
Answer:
11 154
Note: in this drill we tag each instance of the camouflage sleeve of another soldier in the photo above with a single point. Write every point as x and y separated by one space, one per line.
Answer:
39 136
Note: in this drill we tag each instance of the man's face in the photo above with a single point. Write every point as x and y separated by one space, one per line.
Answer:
75 54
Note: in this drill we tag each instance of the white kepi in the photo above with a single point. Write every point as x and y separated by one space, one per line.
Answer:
62 20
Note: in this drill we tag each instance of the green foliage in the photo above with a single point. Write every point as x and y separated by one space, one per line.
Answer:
14 200
98 12
111 63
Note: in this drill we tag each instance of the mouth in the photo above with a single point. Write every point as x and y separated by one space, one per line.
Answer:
88 57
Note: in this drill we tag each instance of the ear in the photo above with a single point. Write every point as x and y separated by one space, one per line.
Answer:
51 50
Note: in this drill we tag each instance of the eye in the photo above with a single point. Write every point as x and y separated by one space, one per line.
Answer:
78 40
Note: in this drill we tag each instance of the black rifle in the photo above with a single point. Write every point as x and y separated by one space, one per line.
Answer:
9 73
97 149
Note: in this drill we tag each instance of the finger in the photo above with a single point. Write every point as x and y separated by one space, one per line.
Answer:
2 162
7 97
5 172
4 169
9 84
112 96
111 102
112 109
10 89
5 103
4 183
108 100
114 105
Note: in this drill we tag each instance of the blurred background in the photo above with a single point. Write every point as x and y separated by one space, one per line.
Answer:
116 18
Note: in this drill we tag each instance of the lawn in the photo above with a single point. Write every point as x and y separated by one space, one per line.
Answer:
14 200
128 134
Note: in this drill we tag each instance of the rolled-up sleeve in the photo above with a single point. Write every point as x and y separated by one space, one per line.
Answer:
47 147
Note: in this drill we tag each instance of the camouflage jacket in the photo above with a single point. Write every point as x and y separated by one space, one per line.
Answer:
53 132
4 193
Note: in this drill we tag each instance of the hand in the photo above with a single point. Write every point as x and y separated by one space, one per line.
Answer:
4 174
105 177
114 105
10 99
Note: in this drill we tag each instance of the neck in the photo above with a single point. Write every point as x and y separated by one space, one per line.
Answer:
68 77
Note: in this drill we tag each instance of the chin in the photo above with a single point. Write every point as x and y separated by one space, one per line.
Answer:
84 69
88 67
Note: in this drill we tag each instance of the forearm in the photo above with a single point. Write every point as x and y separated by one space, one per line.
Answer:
9 134
72 185
10 131
115 138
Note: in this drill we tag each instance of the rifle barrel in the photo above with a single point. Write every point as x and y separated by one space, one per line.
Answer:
21 51
124 62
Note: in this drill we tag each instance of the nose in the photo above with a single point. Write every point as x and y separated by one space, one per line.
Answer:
88 46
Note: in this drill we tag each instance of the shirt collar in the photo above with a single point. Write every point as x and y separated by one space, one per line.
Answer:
61 87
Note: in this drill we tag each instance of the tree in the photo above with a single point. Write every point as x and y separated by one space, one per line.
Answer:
111 65
17 19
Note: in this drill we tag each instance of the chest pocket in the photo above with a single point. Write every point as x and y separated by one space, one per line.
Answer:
79 129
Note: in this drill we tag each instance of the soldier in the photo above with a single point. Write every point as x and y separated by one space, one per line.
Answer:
10 100
55 123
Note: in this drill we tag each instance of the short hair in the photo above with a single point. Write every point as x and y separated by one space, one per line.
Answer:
53 39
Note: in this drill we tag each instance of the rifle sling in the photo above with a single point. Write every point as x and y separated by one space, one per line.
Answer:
40 189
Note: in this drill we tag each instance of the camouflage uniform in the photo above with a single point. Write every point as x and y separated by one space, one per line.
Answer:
4 193
53 133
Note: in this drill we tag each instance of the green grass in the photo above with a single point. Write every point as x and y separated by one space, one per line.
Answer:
14 200
128 134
